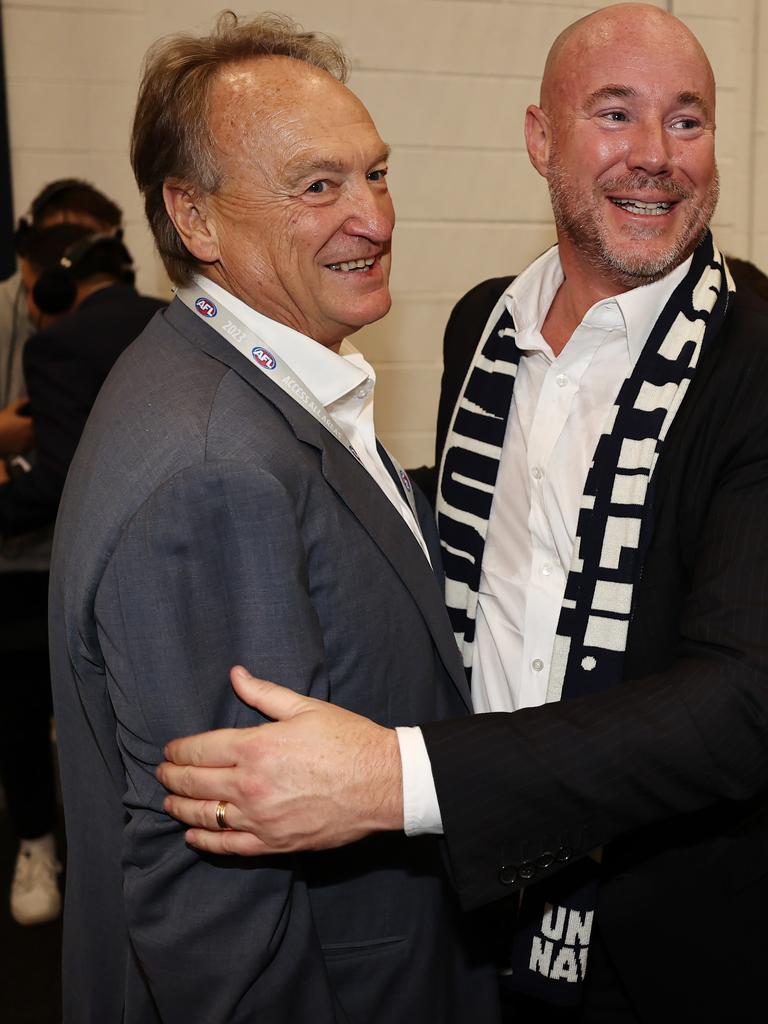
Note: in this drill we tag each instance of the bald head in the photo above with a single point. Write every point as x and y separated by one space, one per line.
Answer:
633 29
624 136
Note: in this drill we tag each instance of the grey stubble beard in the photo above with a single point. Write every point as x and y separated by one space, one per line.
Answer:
582 224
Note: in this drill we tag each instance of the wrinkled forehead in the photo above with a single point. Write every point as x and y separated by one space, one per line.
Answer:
257 101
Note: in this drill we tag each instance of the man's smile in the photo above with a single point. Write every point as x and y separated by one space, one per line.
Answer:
638 206
357 265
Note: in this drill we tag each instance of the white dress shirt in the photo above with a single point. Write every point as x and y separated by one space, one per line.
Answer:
343 383
559 410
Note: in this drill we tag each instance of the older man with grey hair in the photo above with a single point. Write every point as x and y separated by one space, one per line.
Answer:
229 498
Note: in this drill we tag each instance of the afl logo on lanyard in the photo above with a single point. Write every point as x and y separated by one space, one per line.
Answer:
264 358
205 307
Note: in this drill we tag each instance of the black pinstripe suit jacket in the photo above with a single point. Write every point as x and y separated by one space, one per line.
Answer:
669 770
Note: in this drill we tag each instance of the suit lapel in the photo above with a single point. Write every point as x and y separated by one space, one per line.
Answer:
352 484
385 526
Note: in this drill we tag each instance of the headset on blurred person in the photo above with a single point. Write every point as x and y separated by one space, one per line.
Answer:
65 200
55 290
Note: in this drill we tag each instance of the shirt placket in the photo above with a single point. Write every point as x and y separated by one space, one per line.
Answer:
552 414
546 580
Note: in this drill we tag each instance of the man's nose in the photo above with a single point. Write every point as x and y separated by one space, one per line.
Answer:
371 213
649 149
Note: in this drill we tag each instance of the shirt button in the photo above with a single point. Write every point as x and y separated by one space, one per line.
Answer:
537 664
537 473
561 379
546 569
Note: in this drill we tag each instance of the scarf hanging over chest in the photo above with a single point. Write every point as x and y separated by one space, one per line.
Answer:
614 523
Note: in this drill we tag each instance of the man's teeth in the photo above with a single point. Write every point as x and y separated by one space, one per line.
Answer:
353 265
635 206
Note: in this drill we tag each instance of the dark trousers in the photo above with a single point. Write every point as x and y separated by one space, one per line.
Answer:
26 760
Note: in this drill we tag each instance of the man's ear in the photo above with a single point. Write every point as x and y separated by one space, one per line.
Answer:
538 138
188 213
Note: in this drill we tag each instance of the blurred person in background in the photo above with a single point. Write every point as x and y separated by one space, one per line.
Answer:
24 559
80 292
66 200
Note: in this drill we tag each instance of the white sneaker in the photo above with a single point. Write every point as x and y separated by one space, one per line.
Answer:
35 893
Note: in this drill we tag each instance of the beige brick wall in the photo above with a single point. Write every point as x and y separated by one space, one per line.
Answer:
447 82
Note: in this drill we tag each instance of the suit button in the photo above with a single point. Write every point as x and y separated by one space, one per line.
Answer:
564 853
527 870
508 874
545 860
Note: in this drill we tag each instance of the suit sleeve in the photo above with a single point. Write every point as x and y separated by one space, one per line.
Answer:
210 572
545 785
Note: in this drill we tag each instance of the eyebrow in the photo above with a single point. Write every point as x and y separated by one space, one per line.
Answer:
620 92
308 165
692 99
611 92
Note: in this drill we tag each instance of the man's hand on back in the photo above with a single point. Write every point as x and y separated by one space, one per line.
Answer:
318 776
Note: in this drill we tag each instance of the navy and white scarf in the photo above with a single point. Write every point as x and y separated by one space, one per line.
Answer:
614 525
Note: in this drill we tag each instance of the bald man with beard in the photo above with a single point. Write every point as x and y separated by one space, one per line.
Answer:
602 497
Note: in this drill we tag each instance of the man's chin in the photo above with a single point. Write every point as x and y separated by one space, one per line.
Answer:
363 315
368 312
632 267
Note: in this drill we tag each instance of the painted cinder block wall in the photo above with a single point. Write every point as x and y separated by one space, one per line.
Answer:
447 82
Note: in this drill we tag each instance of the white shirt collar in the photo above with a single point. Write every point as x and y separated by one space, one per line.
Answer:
530 295
327 374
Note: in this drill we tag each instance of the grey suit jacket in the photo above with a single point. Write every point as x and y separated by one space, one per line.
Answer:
209 520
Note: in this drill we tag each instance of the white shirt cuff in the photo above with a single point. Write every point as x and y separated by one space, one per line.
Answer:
421 811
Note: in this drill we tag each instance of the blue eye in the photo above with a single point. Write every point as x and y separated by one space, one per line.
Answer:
378 175
318 187
615 115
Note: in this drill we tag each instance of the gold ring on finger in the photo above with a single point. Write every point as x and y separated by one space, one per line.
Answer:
221 814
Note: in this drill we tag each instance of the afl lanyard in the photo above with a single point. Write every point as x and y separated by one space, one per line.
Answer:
247 342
